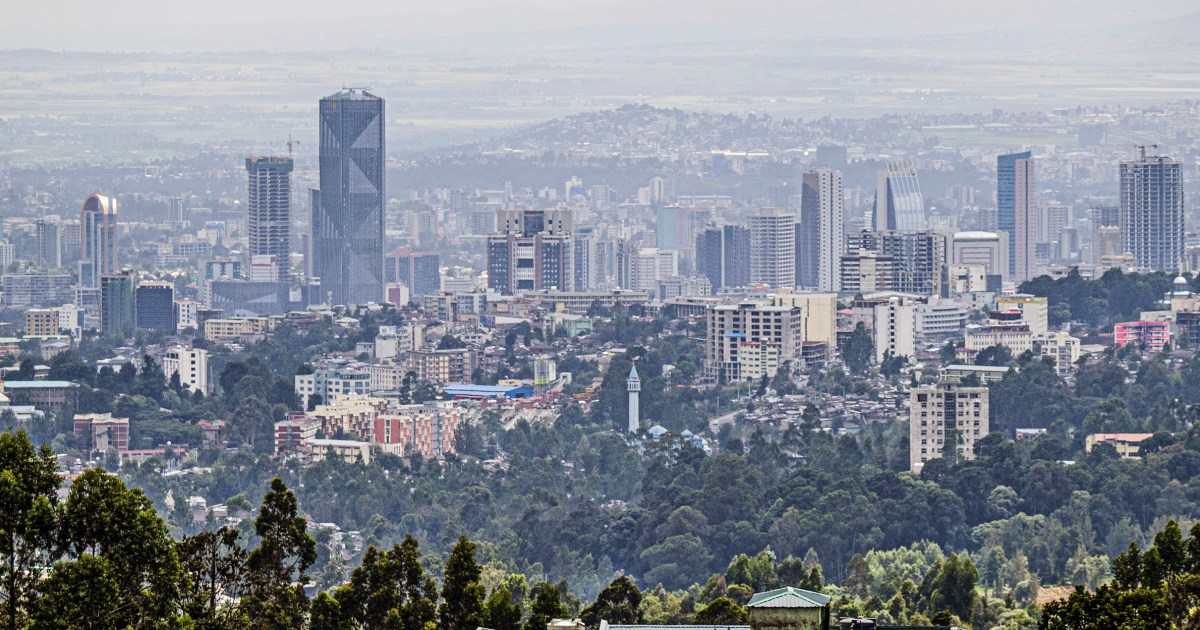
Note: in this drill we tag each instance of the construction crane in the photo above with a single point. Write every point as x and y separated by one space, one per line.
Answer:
1142 149
290 143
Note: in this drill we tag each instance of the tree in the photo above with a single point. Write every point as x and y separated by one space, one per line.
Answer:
462 594
547 606
998 356
214 571
501 612
721 611
619 603
858 349
948 353
389 590
80 594
28 490
275 569
104 519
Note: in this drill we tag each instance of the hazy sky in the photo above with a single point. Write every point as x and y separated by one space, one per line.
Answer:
237 25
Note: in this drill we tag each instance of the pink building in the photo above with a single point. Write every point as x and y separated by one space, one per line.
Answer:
1143 334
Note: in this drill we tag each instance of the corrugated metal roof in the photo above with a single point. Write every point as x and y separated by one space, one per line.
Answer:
788 597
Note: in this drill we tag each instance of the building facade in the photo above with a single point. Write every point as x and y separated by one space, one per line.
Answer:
531 252
98 240
269 210
945 414
723 256
751 339
820 233
773 248
154 306
1015 211
347 218
1152 212
899 204
191 364
116 303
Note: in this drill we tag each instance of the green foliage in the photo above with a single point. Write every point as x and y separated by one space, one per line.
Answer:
858 349
620 603
275 569
462 594
721 612
547 605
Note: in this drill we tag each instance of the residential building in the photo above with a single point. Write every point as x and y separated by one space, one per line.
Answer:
442 366
640 269
1016 212
820 234
347 220
49 254
723 256
237 329
945 414
41 322
116 303
1152 212
98 240
1004 328
773 248
154 306
191 364
818 315
748 340
291 433
349 414
899 205
329 385
867 272
1061 347
349 451
428 429
895 329
269 209
102 431
186 314
1146 335
939 319
1128 445
531 252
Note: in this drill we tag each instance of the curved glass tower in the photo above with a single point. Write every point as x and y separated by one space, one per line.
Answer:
347 223
97 240
899 204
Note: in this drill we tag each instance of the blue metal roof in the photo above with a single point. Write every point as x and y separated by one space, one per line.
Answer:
38 384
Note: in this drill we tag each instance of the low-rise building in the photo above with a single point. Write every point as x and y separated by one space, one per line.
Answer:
349 451
1146 335
191 364
1128 445
238 329
102 431
291 433
1061 347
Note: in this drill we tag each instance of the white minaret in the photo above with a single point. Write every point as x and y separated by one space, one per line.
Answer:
633 385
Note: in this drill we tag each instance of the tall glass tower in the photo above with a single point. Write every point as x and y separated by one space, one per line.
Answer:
347 223
898 201
1014 211
98 240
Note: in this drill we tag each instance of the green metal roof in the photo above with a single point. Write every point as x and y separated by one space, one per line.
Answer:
788 597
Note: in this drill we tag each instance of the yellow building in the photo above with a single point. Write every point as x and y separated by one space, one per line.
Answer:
1128 445
41 322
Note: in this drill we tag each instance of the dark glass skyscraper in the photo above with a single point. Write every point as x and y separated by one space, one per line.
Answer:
347 223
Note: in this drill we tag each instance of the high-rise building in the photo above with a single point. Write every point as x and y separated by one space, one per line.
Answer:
531 251
723 256
641 268
820 234
942 415
49 244
116 303
98 240
175 212
154 306
347 222
419 271
1152 212
898 201
1015 211
917 258
269 209
190 364
773 248
751 339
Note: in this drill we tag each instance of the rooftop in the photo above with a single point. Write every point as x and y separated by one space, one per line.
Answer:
788 597
38 384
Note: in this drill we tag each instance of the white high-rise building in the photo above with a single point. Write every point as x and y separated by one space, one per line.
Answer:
820 234
773 248
942 414
191 365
